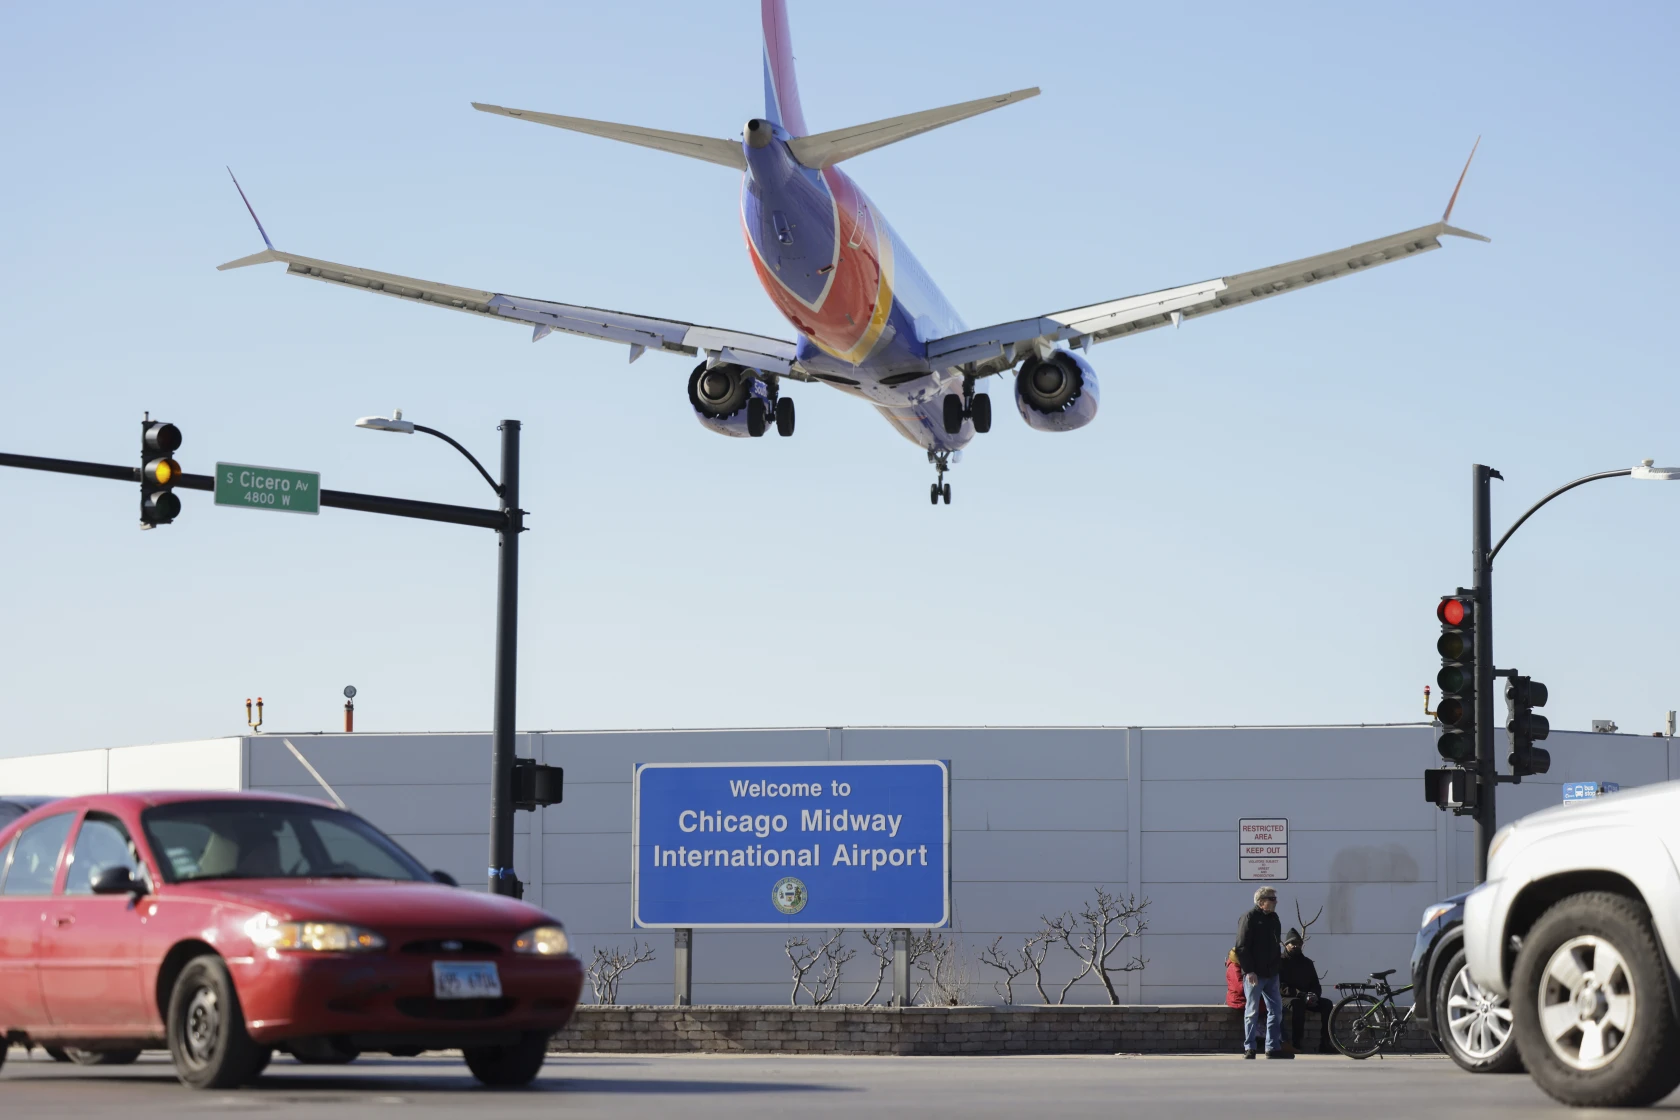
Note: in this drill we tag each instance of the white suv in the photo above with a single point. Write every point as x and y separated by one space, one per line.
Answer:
1579 923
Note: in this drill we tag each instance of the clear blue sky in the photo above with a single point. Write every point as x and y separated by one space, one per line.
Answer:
1255 529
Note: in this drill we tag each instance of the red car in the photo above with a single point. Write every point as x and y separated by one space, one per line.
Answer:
228 926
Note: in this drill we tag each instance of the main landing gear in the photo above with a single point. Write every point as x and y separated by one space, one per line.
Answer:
940 489
969 406
761 411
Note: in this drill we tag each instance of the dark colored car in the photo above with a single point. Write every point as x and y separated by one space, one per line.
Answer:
1472 1025
11 808
228 926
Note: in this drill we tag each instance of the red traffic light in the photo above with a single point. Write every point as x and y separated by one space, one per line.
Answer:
1453 612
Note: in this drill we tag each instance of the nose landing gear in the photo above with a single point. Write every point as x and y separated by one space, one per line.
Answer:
941 461
969 406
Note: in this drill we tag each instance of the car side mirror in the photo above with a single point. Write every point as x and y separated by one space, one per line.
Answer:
445 878
116 880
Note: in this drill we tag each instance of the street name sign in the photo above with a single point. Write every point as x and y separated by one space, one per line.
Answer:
1262 848
790 845
271 488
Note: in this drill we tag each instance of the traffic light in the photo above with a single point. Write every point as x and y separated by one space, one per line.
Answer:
535 785
1524 727
1456 711
1452 788
158 473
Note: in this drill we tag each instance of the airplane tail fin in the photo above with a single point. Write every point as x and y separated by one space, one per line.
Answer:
781 84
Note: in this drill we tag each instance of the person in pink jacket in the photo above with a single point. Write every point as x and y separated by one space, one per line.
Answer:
1234 982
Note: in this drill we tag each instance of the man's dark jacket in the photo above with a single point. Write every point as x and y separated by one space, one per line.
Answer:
1258 935
1297 975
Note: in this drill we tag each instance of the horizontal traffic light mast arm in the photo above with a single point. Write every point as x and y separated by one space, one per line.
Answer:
1560 490
338 499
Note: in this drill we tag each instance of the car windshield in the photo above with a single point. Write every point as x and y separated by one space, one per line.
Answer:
196 840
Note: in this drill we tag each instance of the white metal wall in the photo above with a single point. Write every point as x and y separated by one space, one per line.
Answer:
1041 816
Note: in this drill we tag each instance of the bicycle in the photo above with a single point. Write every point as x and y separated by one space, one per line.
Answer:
1366 1020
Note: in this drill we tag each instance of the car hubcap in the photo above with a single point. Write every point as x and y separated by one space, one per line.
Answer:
1587 1002
203 1025
1480 1021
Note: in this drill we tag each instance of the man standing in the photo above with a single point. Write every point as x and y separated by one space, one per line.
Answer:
1298 978
1259 955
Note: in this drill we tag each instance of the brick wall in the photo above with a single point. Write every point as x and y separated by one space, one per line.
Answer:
1182 1029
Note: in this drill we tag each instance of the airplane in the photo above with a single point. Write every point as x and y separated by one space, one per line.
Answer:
868 320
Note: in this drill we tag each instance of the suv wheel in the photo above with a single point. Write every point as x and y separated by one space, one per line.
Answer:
1474 1024
1590 1000
206 1026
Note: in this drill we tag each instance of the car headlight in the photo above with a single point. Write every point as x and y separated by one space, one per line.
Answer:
311 937
544 941
1434 912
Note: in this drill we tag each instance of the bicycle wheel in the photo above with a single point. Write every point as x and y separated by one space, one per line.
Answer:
1359 1025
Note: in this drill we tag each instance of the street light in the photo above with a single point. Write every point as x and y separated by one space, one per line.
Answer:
502 878
1482 556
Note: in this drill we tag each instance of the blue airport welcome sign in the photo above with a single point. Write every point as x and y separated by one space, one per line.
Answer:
791 844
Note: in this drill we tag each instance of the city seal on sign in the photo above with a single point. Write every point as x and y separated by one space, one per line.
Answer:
789 895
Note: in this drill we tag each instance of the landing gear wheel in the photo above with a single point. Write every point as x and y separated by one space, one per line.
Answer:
206 1027
933 493
981 413
945 492
757 417
784 416
953 414
509 1066
1589 999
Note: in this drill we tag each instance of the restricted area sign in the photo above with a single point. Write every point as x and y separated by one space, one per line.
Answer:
789 845
272 488
1262 848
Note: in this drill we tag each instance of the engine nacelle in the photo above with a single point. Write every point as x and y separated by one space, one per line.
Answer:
719 396
1057 394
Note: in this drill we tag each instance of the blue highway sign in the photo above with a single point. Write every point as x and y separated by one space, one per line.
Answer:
772 845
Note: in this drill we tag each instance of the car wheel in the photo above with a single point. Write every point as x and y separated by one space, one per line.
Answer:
206 1029
1474 1024
1589 996
509 1066
102 1057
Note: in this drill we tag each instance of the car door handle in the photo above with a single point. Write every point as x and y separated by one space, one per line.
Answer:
64 920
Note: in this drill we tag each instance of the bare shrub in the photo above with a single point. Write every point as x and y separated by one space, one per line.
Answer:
881 950
831 955
1028 958
945 978
1103 925
609 966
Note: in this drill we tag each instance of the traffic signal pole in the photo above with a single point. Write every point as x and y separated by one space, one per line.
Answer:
502 879
1482 567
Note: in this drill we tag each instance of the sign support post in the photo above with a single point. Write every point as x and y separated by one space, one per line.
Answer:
683 953
901 967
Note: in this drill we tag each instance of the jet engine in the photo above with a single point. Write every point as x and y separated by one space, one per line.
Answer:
1058 393
720 394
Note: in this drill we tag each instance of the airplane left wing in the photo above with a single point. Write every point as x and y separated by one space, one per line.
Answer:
639 332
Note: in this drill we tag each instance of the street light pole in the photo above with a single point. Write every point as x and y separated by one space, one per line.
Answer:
1483 550
1482 569
502 880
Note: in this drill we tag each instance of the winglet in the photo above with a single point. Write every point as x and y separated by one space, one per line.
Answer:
264 232
1446 215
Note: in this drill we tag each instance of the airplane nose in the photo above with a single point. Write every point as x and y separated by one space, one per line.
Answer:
758 133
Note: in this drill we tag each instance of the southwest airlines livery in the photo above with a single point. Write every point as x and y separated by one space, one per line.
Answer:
867 319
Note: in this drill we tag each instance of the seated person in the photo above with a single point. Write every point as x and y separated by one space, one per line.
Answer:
1234 982
1302 992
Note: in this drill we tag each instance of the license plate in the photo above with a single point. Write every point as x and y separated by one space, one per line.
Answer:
466 980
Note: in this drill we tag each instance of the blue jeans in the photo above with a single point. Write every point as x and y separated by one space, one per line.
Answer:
1266 986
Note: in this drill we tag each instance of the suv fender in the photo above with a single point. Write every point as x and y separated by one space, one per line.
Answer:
1566 863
